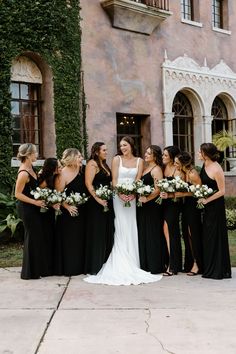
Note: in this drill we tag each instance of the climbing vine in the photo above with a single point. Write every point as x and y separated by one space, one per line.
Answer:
50 28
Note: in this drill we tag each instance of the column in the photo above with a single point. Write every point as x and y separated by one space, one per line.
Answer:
168 128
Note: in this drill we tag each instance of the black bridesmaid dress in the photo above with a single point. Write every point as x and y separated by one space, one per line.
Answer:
216 259
33 254
99 230
70 235
150 233
171 214
48 227
192 233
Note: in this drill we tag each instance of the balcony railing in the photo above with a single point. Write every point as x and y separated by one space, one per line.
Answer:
159 4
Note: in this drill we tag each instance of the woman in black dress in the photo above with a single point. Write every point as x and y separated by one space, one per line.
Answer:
51 168
150 216
171 213
191 217
70 226
29 212
100 224
216 259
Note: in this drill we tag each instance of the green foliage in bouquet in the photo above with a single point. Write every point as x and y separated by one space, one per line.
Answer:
51 29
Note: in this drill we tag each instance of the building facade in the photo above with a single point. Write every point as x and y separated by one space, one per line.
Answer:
161 71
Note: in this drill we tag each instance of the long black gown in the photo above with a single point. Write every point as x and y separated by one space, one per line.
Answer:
99 230
150 233
48 226
70 235
33 253
216 259
191 223
171 214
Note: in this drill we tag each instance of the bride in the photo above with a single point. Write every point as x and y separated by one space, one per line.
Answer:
122 266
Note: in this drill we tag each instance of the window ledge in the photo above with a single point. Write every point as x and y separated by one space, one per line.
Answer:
221 30
230 173
192 23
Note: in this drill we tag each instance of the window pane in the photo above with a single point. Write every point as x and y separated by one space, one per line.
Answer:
15 107
14 88
24 91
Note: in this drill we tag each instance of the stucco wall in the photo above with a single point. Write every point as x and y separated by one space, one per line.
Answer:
122 69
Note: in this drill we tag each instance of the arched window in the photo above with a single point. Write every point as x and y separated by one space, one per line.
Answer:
26 103
220 116
220 122
183 123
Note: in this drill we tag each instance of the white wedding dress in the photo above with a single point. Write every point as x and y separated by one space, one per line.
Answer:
122 266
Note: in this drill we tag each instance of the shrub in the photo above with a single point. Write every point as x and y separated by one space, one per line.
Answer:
230 202
9 221
231 219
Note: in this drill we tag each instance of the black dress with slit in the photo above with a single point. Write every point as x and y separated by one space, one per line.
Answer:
70 234
150 233
192 233
216 258
33 251
171 215
99 229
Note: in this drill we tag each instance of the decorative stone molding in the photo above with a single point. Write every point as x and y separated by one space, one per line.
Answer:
204 82
134 16
201 85
25 70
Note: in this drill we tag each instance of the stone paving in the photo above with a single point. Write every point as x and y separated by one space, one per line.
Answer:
56 315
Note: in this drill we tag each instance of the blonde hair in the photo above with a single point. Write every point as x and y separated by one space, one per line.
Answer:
26 150
68 156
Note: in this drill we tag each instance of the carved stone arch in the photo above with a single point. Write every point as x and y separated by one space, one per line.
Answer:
230 103
33 63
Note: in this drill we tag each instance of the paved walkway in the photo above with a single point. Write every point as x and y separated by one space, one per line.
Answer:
58 315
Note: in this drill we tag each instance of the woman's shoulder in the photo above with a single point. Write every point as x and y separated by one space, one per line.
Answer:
91 163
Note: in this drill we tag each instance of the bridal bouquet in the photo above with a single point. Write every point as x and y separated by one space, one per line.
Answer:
105 193
171 186
165 185
76 199
56 197
143 190
42 194
202 191
127 188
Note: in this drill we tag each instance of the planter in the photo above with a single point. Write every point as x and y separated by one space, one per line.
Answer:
232 163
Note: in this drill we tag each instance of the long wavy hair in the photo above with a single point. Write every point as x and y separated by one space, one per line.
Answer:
95 150
47 173
157 154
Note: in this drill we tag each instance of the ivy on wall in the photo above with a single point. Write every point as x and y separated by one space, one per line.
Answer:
50 28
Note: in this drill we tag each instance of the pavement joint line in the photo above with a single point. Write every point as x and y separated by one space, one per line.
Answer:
52 316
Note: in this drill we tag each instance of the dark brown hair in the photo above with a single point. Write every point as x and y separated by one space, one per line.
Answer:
95 156
157 153
185 159
48 172
130 141
210 150
173 151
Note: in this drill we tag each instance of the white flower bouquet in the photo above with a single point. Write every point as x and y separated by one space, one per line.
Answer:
105 193
202 191
171 186
143 190
127 188
42 194
165 185
56 198
180 185
76 199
